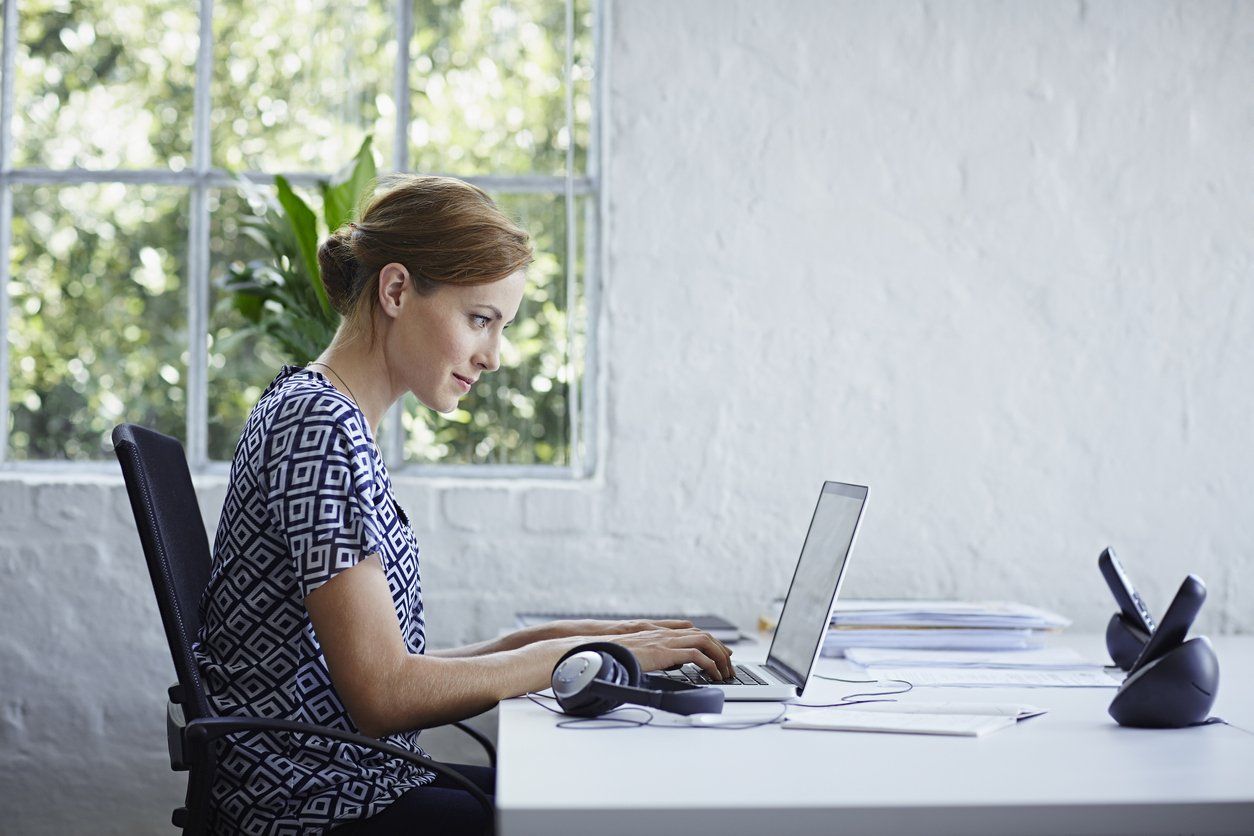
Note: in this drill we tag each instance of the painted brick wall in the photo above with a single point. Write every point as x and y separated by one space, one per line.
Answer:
991 259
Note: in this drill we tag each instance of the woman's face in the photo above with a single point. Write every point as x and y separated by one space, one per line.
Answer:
441 344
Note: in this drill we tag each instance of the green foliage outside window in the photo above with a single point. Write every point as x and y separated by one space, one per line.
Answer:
98 320
99 272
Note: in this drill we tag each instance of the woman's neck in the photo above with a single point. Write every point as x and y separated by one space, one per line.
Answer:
362 376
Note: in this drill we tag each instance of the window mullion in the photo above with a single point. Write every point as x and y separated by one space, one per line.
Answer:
595 256
7 55
218 178
198 253
572 272
404 33
394 452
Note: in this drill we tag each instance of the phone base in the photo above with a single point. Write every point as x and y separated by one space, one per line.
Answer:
1175 690
1124 640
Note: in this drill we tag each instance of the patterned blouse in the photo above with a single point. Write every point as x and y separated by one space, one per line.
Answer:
309 497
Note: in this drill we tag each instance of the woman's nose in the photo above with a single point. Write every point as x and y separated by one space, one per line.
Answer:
490 359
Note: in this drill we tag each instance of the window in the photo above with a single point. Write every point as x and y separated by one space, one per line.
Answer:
123 127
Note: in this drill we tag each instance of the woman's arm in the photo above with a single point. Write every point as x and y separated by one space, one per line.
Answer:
387 689
558 630
510 641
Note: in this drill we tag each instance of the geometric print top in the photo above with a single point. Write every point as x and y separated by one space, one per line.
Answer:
309 496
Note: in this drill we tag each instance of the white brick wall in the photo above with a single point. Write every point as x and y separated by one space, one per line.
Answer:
991 259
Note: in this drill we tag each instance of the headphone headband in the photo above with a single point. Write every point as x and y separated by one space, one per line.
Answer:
589 685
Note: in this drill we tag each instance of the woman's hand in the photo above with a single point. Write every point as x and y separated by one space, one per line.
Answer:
654 647
671 647
611 630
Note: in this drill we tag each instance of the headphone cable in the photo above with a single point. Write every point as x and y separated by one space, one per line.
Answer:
605 721
849 699
627 722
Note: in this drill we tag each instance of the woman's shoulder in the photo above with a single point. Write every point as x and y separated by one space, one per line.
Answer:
301 406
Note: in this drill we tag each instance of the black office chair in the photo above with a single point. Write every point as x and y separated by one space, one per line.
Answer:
176 546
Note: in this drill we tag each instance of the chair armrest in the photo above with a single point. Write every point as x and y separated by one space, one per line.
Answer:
483 741
199 733
175 725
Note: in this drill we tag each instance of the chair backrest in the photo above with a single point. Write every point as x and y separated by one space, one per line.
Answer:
176 546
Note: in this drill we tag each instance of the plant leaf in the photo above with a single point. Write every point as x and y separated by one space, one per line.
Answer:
304 226
249 306
342 194
261 234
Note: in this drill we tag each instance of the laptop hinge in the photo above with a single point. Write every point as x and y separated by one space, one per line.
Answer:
783 674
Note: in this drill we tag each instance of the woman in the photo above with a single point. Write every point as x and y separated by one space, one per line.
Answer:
314 608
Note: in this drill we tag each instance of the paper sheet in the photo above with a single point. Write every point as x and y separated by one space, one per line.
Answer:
907 612
1002 677
843 719
989 709
1043 658
838 639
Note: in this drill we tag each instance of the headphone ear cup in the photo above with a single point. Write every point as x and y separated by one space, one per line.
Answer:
624 657
618 667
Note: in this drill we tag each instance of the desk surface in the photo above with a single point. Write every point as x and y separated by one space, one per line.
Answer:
1071 770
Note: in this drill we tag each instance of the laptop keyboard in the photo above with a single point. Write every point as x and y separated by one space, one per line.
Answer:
693 674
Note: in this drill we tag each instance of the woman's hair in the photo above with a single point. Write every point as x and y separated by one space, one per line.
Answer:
444 231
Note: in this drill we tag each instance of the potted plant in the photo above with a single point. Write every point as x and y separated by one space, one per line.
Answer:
280 296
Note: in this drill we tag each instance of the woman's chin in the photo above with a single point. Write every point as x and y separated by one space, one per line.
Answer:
443 405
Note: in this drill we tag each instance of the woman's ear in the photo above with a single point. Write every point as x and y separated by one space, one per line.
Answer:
392 280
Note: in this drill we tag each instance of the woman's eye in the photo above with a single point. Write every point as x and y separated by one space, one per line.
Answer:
479 320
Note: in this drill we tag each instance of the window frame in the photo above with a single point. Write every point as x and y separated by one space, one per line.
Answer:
201 177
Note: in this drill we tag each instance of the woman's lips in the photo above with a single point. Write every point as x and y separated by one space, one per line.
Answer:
466 384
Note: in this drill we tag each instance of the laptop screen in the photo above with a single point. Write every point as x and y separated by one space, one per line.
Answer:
803 622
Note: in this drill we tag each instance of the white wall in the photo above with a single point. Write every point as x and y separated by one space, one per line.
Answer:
992 260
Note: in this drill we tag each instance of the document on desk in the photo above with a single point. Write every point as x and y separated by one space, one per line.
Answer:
1018 711
1057 658
845 719
1001 677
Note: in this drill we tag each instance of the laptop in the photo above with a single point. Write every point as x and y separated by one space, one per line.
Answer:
807 609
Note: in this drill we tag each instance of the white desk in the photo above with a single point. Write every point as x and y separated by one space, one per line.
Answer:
1072 770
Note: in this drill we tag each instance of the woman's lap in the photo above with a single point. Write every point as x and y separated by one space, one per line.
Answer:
439 807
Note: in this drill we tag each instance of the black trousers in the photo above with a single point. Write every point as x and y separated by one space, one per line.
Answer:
439 807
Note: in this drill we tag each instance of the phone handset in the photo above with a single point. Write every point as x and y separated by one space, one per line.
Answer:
1131 627
1174 628
1129 600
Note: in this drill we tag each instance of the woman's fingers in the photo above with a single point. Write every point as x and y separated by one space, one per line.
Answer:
712 649
711 655
705 663
640 636
715 650
722 656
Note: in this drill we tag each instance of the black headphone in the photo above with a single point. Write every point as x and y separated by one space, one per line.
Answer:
598 677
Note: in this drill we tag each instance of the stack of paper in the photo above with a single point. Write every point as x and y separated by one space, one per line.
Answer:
938 625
